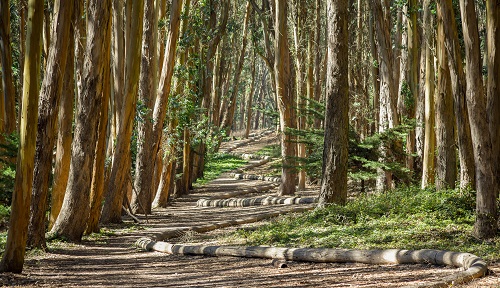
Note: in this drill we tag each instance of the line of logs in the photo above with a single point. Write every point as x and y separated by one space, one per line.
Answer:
246 141
255 177
258 201
179 231
474 267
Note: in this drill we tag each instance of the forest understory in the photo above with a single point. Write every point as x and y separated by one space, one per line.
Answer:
109 258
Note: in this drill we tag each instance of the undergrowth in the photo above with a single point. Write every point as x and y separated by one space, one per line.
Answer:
407 218
217 164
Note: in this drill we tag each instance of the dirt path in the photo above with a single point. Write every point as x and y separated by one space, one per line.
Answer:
112 261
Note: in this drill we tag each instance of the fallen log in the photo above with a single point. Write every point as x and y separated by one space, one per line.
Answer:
176 232
255 177
257 201
474 267
255 189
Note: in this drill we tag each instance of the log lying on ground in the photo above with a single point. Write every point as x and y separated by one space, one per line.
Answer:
255 177
474 266
177 232
254 189
246 141
252 165
258 201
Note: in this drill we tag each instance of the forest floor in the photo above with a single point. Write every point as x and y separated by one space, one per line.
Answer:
110 259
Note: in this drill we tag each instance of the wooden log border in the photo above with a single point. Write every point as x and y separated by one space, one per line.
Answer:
255 177
246 141
474 267
256 201
241 191
179 231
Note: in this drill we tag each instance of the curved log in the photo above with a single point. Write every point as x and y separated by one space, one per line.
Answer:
176 232
258 201
474 266
255 177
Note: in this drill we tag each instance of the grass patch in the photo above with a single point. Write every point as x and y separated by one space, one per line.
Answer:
407 218
273 151
217 164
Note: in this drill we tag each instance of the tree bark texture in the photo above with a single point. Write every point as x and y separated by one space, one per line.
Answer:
50 96
144 170
15 247
9 115
72 219
335 148
285 97
486 185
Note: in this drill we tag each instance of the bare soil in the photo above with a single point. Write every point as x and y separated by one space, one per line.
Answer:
113 261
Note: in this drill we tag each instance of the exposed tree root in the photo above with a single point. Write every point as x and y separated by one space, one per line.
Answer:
474 267
258 201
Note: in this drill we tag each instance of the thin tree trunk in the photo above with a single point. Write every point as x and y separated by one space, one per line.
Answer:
50 96
15 247
144 171
9 116
430 136
72 219
493 86
250 100
335 153
446 159
467 171
285 97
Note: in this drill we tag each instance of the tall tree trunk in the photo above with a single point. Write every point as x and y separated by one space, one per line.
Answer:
120 169
47 119
446 159
98 173
72 219
458 86
6 60
486 185
65 131
250 100
493 86
144 171
335 153
285 96
430 136
15 247
227 121
412 79
388 115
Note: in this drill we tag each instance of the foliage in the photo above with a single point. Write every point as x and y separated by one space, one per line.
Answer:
217 164
8 154
407 218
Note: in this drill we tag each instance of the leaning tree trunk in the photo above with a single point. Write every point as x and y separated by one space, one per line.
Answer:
486 185
285 99
15 247
6 60
120 168
335 148
98 173
144 171
47 119
72 219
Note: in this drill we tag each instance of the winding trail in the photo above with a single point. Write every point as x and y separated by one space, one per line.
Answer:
113 261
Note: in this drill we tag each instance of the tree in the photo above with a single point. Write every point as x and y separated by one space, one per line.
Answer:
120 167
72 219
285 96
47 119
13 258
6 60
486 185
334 179
458 88
147 84
446 159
